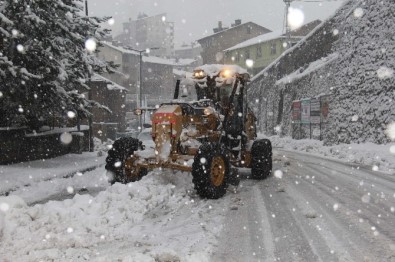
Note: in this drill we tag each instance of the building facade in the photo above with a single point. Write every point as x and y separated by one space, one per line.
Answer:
262 50
224 38
157 76
106 124
149 32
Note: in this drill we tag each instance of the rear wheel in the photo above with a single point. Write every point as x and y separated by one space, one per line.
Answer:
210 171
261 154
120 161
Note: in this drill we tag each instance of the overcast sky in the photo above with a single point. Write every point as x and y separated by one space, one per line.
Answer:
196 18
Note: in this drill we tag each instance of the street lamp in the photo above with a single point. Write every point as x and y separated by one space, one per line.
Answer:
89 95
141 78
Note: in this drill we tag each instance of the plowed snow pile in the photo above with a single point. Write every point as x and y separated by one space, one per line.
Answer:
157 219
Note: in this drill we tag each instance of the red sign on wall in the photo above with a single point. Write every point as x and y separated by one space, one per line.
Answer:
296 105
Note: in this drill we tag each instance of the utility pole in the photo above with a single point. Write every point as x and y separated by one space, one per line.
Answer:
287 29
139 104
90 95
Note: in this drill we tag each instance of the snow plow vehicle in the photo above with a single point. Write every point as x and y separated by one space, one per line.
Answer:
210 137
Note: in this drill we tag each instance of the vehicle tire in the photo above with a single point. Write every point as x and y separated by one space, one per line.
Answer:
261 164
121 151
210 171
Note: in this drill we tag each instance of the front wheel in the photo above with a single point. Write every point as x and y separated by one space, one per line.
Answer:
120 162
210 171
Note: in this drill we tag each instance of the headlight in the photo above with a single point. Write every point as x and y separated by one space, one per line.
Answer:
199 74
208 111
226 73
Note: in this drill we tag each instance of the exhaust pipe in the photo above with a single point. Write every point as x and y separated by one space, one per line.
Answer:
177 90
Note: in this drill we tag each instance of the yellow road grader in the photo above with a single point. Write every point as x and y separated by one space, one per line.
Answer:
210 137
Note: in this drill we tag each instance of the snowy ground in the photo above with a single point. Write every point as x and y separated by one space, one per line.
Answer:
312 209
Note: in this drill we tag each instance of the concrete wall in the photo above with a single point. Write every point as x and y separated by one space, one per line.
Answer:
16 147
272 102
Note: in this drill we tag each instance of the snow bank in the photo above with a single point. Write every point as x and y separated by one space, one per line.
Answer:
375 157
156 219
19 175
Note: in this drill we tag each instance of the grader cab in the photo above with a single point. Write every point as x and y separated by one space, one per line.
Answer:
209 137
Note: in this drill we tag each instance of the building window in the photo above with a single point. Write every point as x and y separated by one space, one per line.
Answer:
248 29
258 51
247 54
273 48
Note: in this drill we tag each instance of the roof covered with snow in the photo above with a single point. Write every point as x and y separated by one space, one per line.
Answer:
232 28
259 39
146 59
110 84
298 33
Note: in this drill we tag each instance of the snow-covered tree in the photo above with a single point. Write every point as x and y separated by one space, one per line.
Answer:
46 58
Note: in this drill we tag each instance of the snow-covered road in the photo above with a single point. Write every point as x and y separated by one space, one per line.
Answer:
314 210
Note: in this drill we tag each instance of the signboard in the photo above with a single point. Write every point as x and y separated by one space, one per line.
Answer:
324 108
305 117
315 111
296 112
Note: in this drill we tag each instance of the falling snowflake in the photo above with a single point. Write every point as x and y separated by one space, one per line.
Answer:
278 174
392 149
163 18
70 114
384 72
1 94
66 138
219 56
295 18
249 63
79 174
20 48
375 168
358 12
203 160
335 32
4 207
118 164
70 190
336 207
20 109
70 230
390 131
111 21
90 45
354 118
366 198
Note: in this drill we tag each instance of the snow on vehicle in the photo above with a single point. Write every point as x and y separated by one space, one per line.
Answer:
209 137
